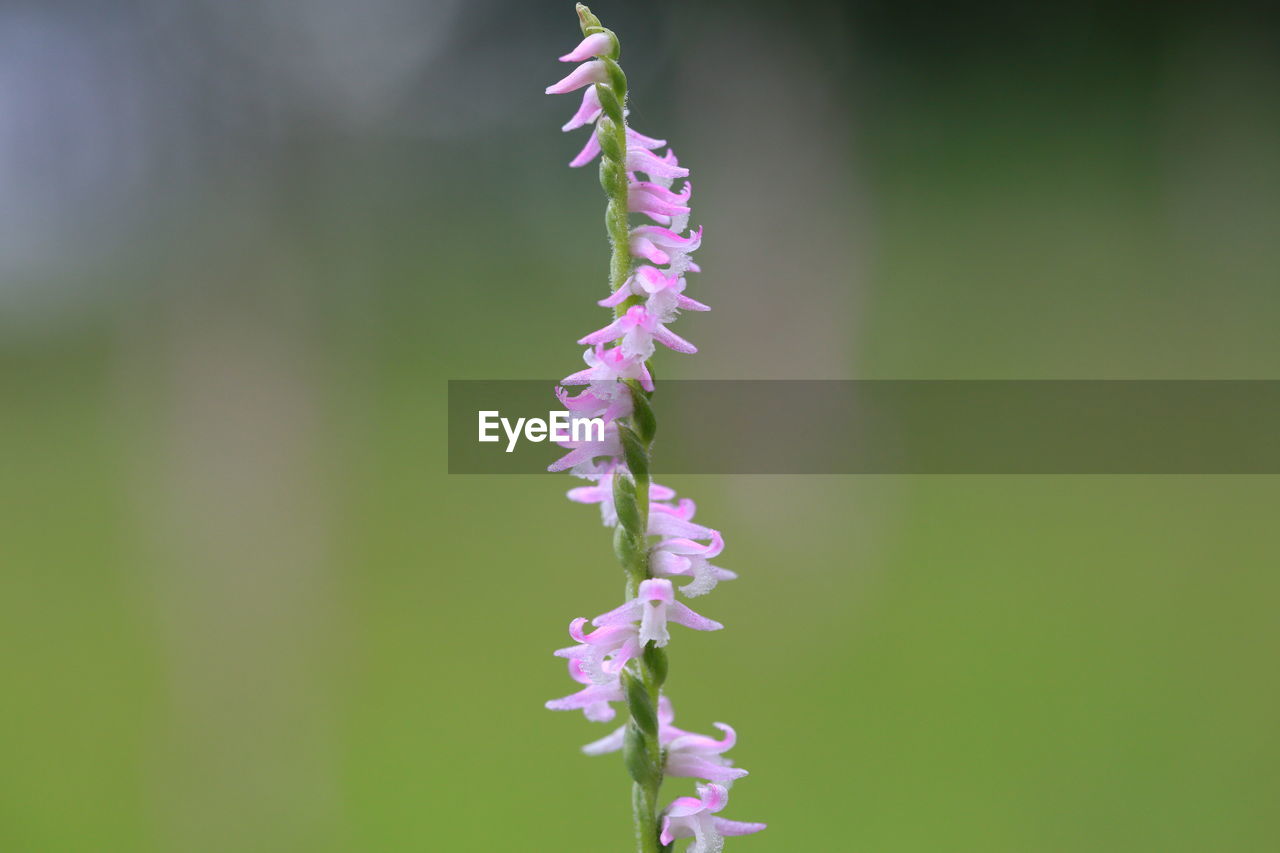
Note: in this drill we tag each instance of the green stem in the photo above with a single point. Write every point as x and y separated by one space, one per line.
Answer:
643 753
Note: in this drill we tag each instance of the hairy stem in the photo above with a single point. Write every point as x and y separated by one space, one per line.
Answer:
643 677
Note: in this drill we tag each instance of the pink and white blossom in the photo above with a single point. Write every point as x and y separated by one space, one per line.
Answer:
593 699
688 755
638 330
677 521
606 368
678 557
664 294
653 607
602 493
696 816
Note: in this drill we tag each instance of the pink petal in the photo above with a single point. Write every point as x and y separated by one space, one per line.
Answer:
656 589
660 493
682 615
573 457
587 154
621 295
596 44
624 614
690 304
584 75
611 742
683 807
672 341
641 160
664 563
667 238
648 203
737 827
642 247
646 378
702 743
697 767
616 329
673 828
575 629
714 797
638 138
587 112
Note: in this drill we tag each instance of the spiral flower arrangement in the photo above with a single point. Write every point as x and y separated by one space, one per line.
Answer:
622 659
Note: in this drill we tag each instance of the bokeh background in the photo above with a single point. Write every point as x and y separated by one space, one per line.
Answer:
243 245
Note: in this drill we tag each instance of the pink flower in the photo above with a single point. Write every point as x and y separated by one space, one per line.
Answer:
696 816
660 245
636 141
602 493
622 633
654 605
605 369
666 520
638 330
665 293
678 557
587 113
701 757
583 452
689 755
593 699
584 75
604 652
596 44
658 202
640 159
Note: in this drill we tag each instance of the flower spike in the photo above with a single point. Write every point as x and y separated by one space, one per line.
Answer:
619 657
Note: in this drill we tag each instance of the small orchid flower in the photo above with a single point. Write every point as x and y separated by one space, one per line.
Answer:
584 75
660 245
593 699
587 113
665 293
641 159
696 816
584 451
622 633
663 180
604 652
701 757
602 493
638 330
605 369
666 521
596 44
636 141
588 404
678 557
658 206
654 606
689 755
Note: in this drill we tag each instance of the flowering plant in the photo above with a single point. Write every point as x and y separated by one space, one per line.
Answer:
623 659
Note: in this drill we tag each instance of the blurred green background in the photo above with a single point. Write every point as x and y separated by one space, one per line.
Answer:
244 245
